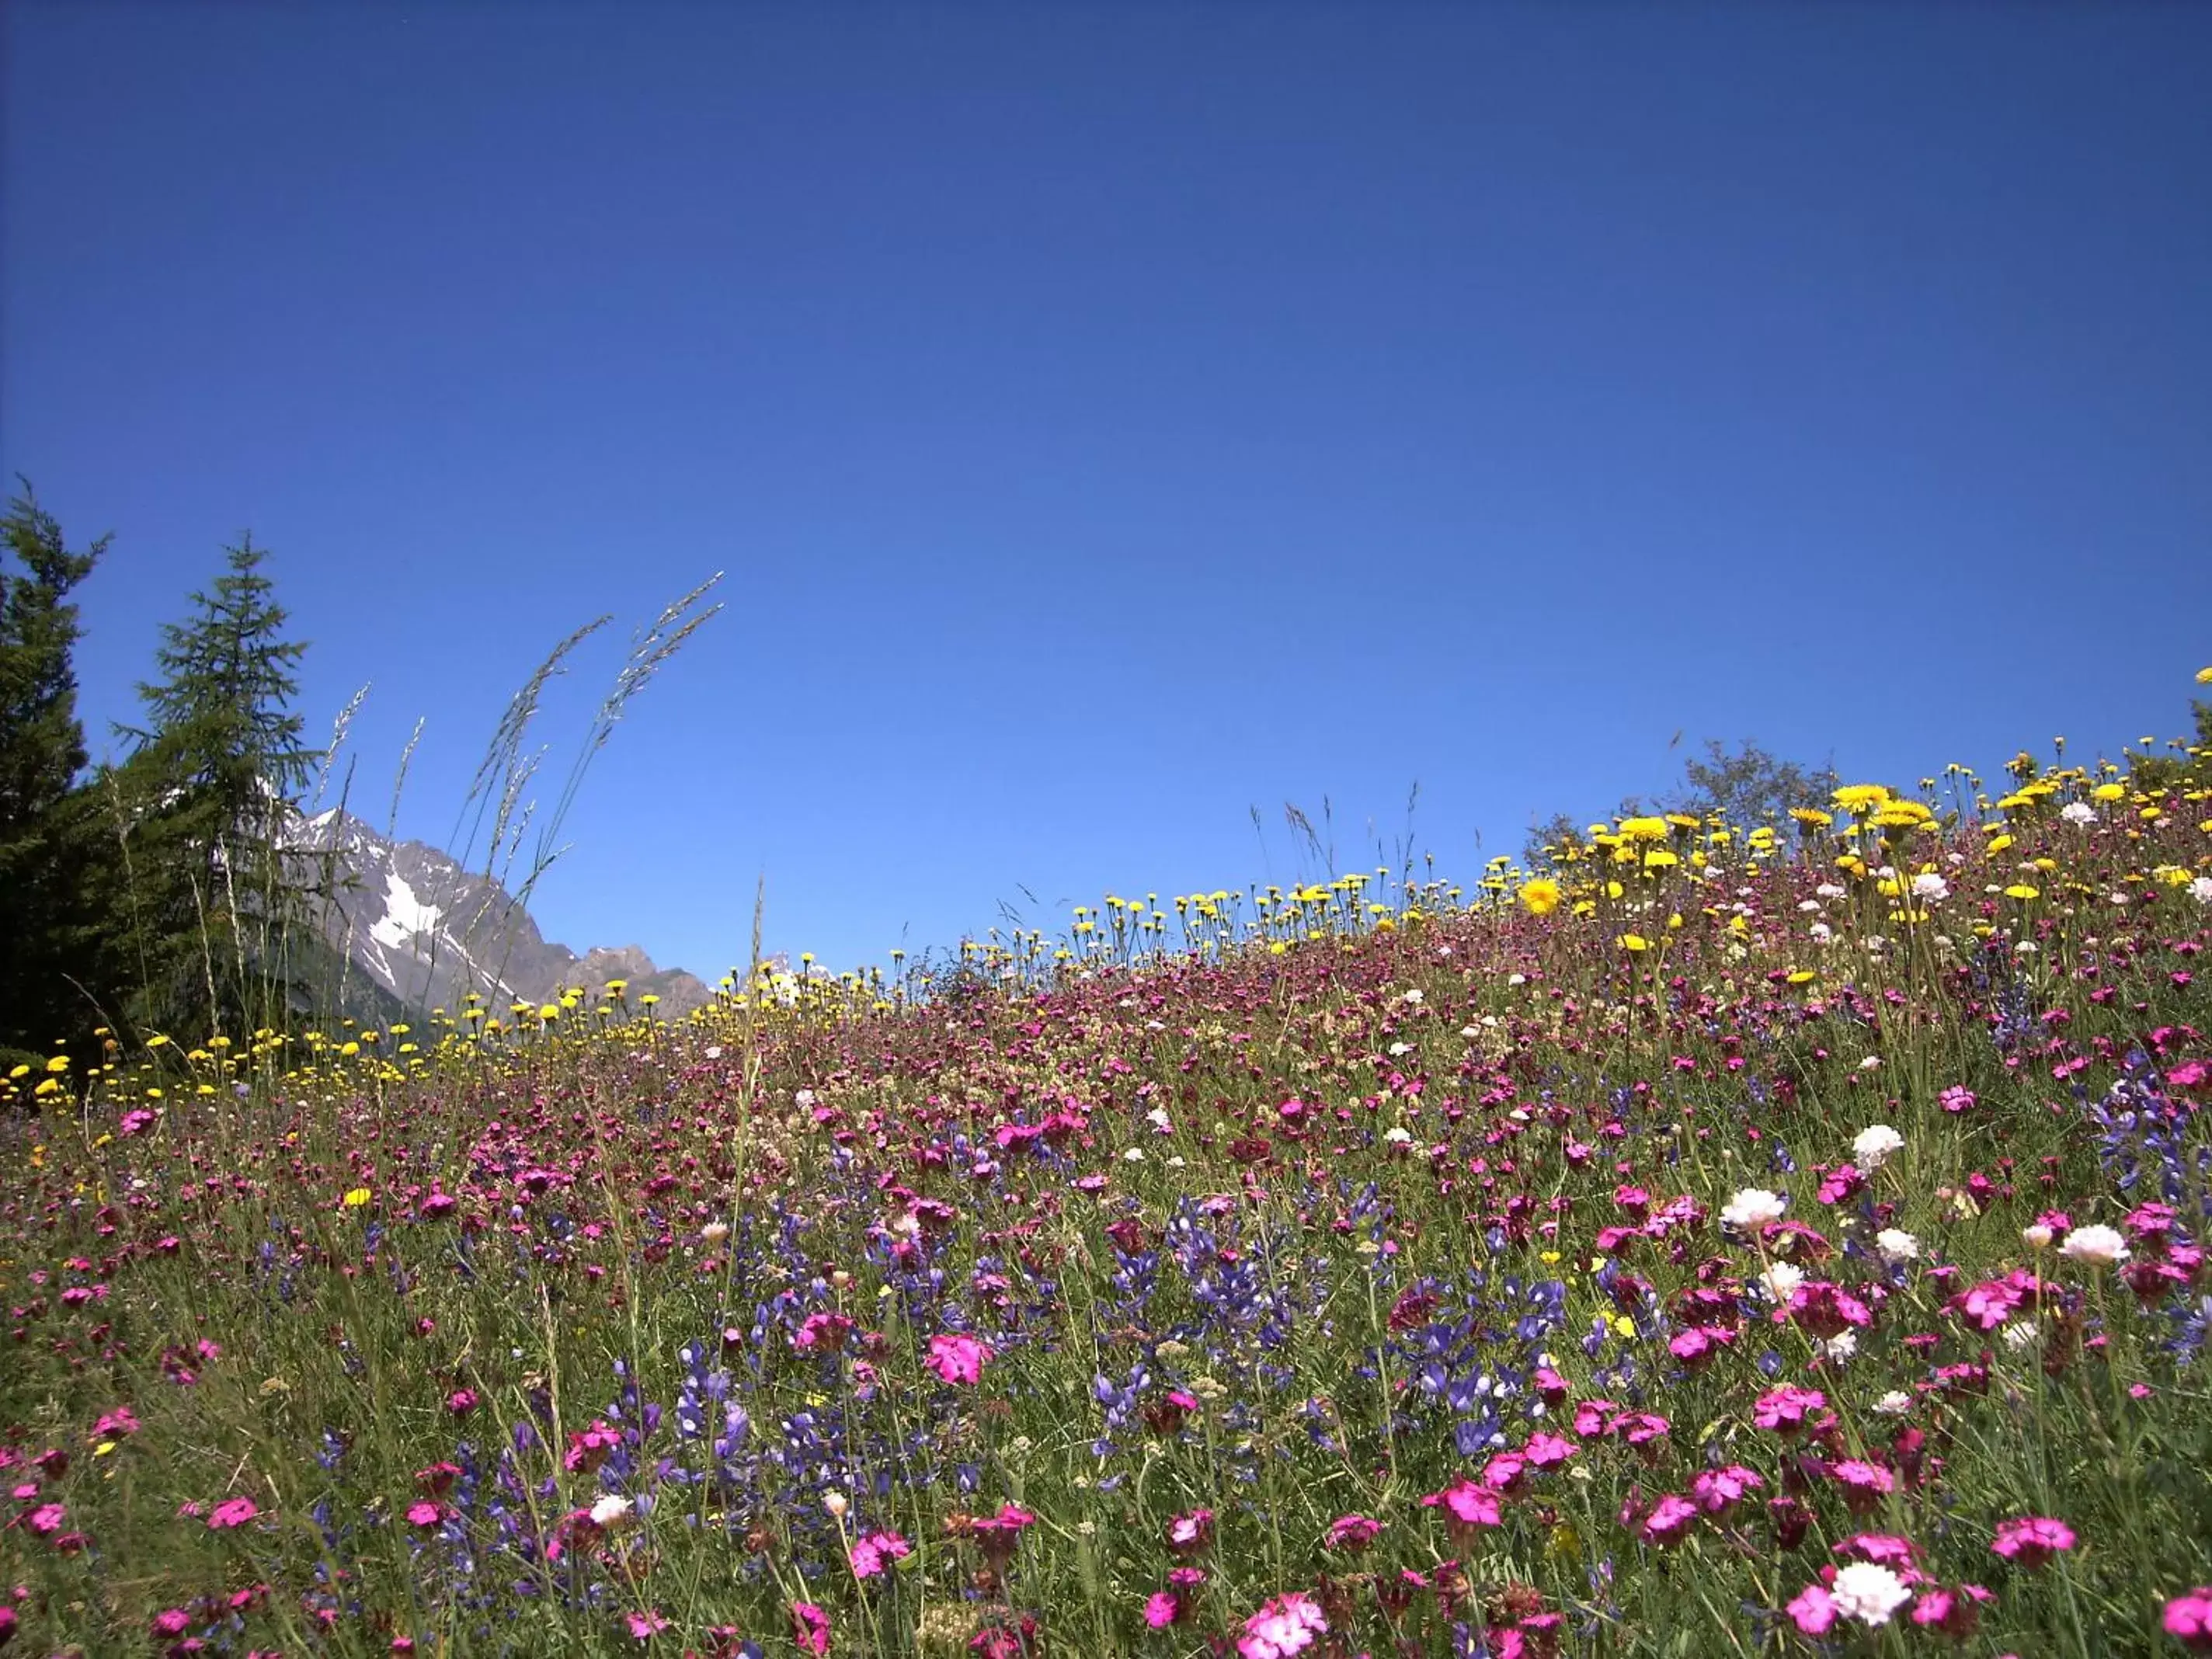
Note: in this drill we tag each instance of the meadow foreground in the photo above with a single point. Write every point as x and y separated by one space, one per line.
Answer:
1734 1243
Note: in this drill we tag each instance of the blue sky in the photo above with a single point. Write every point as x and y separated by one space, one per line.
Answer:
1113 419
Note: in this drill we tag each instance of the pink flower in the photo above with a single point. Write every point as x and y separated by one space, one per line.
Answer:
875 1553
646 1624
461 1401
809 1628
1670 1521
2189 1618
232 1512
425 1514
1954 1613
1882 1548
2033 1540
1783 1409
1353 1532
1191 1531
958 1358
1285 1625
1548 1451
1813 1610
1466 1504
1719 1491
1161 1609
1824 1310
46 1519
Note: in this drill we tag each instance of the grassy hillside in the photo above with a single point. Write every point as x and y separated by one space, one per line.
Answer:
1738 1242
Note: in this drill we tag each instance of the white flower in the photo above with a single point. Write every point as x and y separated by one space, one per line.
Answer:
1840 1346
1415 997
1398 1049
1875 1143
2020 1333
1821 933
2096 1246
1868 1592
837 1503
1157 1117
1134 1155
2200 890
1931 888
715 1232
1828 889
1895 1403
610 1511
1781 1280
1397 1136
1755 1207
2036 1235
804 1099
1522 979
1808 907
1896 1245
2078 811
1872 1062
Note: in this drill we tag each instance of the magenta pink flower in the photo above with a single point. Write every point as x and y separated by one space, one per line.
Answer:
46 1519
1548 1451
1670 1521
648 1624
425 1514
2033 1540
1285 1625
1719 1491
1162 1608
232 1512
875 1553
1813 1610
809 1628
1192 1531
1785 1407
1353 1532
1467 1504
1954 1613
2189 1618
958 1358
1882 1548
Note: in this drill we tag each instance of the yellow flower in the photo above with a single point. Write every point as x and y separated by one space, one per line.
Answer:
1634 942
2022 891
356 1198
1643 829
1861 797
2110 791
1800 976
1811 817
1541 895
2204 677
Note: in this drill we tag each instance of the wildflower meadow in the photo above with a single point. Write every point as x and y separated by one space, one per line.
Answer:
1721 1240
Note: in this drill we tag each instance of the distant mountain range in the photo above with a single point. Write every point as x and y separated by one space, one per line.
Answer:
417 931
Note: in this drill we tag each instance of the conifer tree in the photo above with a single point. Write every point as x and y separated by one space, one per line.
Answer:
51 931
204 800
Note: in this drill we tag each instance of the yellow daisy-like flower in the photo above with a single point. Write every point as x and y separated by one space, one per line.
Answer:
2204 677
356 1198
1643 829
1861 797
1541 895
2110 791
2022 891
1634 942
1811 817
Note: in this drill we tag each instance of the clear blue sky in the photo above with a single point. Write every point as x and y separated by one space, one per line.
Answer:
1113 419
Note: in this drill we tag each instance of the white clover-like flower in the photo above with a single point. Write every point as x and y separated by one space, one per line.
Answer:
1895 1403
2036 1235
1397 1135
2200 890
1897 1245
2096 1246
1868 1592
1134 1155
1931 888
1755 1207
1781 1279
610 1511
1840 1347
2020 1333
715 1232
2078 811
1875 1144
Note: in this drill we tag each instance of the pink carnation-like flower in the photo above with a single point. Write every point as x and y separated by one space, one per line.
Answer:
1719 1491
1287 1625
1467 1504
1161 1609
1548 1451
1192 1531
2189 1618
2033 1540
875 1553
1353 1532
232 1512
1783 1409
1670 1521
958 1358
425 1514
1813 1610
809 1628
648 1624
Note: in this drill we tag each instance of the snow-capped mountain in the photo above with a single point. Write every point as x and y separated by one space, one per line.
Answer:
426 931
